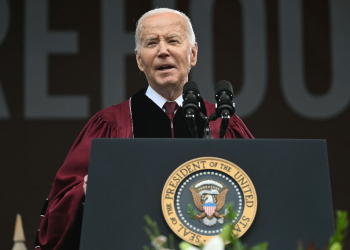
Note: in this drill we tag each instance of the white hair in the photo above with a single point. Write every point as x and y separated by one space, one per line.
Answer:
190 33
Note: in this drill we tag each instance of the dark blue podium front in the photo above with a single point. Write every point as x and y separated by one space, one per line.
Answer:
127 176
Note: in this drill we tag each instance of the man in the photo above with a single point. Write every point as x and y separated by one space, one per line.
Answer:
165 51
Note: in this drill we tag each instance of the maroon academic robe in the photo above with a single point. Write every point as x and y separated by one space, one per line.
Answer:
61 221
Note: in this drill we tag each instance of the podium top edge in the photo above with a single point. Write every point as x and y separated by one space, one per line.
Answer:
192 139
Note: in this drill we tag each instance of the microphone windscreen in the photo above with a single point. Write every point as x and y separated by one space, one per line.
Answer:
223 86
191 85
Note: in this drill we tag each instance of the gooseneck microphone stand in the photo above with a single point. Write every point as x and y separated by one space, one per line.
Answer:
207 130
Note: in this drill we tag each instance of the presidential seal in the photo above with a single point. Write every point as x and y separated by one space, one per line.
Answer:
195 194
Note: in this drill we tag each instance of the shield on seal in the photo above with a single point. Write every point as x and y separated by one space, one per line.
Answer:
209 208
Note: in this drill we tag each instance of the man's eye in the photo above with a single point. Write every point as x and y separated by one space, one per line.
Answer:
173 41
151 43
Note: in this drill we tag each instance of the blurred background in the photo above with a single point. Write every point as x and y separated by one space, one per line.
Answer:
62 61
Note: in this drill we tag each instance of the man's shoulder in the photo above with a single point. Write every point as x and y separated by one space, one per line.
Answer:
112 113
235 124
210 107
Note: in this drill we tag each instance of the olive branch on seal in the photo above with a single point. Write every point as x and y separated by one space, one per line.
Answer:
191 212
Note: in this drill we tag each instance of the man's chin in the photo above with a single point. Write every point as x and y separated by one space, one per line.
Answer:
168 81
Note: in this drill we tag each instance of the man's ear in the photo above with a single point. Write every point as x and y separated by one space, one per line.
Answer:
193 56
139 61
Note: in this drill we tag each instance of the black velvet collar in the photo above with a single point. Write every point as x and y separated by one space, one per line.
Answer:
149 121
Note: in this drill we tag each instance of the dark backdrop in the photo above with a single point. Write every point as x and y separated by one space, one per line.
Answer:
62 61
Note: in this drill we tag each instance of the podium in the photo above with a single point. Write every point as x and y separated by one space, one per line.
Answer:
127 176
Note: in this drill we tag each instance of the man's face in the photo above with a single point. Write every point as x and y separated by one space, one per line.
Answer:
165 53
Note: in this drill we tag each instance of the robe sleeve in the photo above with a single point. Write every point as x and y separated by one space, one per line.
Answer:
61 224
237 129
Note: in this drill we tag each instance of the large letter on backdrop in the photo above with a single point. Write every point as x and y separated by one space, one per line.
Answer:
39 43
116 44
4 23
253 91
201 14
254 86
337 99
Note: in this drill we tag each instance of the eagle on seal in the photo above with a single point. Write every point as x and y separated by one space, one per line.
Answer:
209 208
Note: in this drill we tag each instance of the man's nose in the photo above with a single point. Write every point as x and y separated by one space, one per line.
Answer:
163 49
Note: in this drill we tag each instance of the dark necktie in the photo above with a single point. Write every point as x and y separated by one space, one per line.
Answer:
170 108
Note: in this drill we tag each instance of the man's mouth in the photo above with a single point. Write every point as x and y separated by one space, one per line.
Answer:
165 67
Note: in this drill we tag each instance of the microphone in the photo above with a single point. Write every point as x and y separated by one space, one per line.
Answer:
190 105
224 105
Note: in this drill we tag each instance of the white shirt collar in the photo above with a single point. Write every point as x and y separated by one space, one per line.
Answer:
160 100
